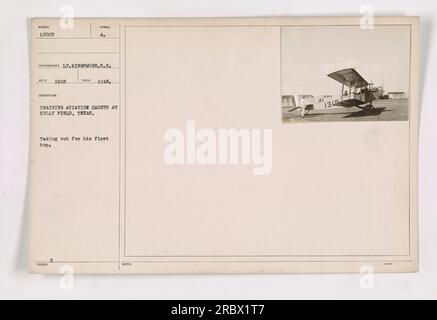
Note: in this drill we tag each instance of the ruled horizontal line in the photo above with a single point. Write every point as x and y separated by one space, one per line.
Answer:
78 52
77 38
78 83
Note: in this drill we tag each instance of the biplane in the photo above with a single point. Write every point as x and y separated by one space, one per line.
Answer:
360 93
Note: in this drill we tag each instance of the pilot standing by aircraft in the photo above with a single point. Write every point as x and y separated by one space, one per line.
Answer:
303 105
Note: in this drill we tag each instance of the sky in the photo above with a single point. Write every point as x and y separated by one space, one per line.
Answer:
308 54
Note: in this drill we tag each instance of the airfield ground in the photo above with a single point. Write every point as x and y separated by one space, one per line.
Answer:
385 110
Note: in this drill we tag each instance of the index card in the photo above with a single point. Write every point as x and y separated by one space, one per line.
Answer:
224 145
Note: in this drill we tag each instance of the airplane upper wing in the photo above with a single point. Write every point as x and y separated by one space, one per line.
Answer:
349 77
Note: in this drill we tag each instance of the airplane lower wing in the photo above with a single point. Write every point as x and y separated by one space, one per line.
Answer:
349 103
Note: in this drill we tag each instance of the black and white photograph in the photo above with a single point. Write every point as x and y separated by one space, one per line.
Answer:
345 73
